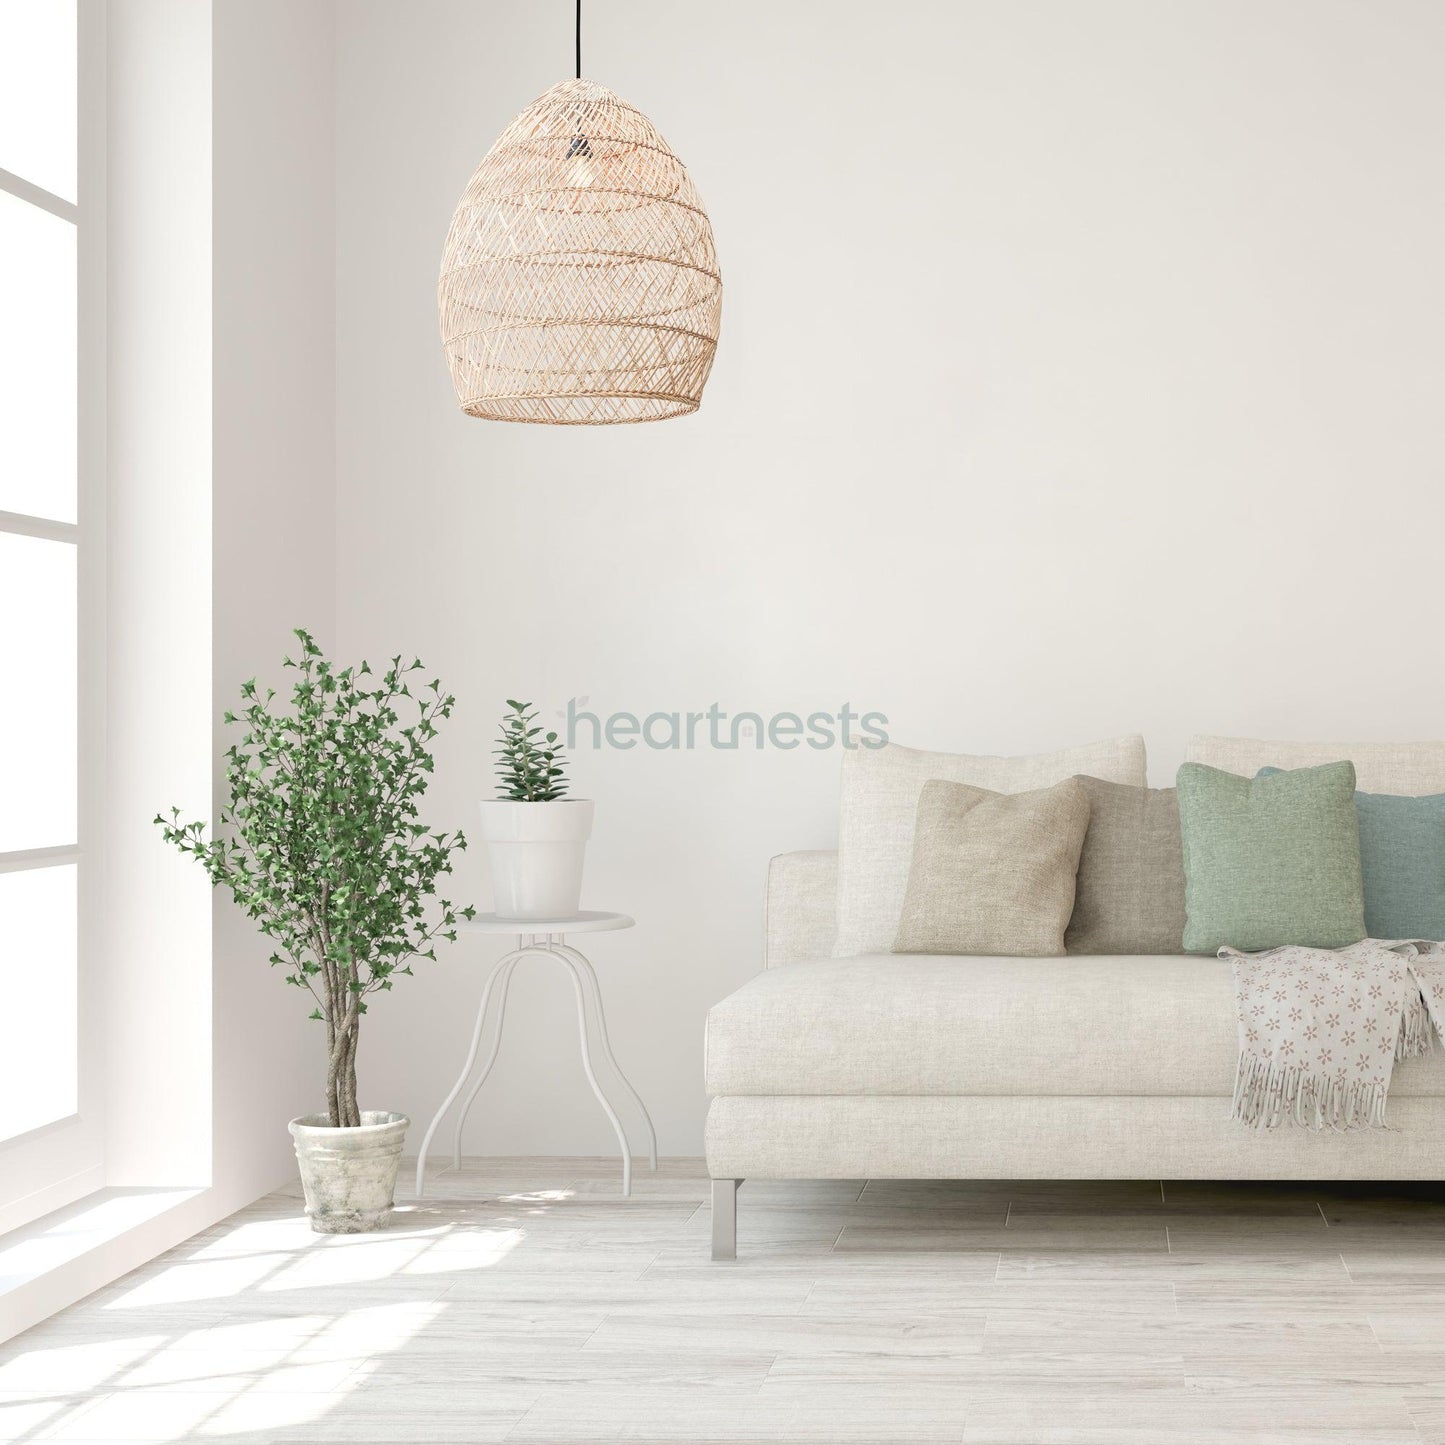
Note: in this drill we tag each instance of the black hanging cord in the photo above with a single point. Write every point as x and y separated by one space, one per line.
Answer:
579 146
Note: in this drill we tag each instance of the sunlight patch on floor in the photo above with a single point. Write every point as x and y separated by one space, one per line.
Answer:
259 1374
193 1280
477 1249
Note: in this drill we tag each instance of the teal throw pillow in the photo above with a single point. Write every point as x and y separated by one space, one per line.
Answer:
1402 861
1270 861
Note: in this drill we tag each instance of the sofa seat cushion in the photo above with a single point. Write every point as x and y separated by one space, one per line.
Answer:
922 1024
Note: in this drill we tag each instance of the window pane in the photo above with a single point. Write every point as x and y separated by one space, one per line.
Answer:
38 1020
37 93
37 360
37 694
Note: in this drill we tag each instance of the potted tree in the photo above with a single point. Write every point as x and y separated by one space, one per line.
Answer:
321 846
536 837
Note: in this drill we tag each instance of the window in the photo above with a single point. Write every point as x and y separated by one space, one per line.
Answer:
46 537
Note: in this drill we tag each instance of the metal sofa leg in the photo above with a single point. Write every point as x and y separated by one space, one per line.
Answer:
725 1218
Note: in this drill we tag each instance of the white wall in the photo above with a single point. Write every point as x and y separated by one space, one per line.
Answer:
274 549
1080 374
154 940
221 539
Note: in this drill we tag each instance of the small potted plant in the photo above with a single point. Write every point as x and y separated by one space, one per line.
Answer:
320 844
536 837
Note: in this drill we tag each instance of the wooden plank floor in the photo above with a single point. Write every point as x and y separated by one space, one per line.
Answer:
527 1301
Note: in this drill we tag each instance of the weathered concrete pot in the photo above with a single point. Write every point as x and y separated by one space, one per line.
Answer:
349 1174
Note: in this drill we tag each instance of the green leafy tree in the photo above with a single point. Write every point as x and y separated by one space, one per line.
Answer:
320 843
529 761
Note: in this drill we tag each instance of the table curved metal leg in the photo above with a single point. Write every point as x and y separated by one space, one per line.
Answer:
595 987
466 1068
506 978
563 955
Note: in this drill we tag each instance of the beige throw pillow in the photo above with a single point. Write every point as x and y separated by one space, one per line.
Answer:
1129 897
993 873
879 805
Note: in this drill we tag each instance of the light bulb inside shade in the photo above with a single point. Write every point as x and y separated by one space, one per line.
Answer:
581 168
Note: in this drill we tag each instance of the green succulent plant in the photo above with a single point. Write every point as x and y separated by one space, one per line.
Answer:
530 768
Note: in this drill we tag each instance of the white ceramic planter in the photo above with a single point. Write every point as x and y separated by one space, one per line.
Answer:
349 1175
537 851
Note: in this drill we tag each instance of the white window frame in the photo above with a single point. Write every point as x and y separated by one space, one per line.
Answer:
51 1166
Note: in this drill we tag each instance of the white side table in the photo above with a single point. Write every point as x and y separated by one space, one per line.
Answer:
542 938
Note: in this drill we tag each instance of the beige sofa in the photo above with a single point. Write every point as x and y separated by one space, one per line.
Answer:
902 1066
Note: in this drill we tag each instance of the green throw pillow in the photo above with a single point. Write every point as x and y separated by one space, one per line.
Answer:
1402 861
1270 861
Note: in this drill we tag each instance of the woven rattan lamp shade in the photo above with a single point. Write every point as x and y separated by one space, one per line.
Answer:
579 284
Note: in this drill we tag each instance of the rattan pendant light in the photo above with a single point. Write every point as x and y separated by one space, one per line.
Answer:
579 284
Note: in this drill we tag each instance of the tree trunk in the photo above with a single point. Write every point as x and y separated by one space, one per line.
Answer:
341 1077
353 1113
333 1102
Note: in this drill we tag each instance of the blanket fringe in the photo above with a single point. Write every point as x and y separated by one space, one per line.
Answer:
1266 1095
1417 1031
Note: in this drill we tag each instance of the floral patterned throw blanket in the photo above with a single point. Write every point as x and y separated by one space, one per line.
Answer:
1320 1029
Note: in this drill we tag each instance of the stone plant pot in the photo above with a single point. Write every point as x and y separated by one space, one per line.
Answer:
349 1175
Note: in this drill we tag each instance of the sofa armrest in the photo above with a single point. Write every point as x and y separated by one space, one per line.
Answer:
798 919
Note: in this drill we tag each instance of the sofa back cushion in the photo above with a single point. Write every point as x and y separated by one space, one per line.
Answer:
1270 861
1129 897
1409 769
993 873
879 805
